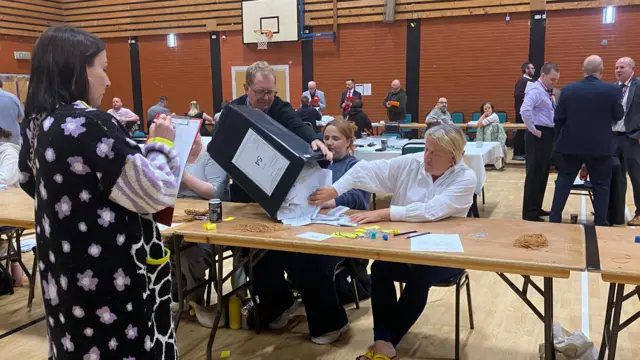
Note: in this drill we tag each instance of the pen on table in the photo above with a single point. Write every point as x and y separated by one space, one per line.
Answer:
405 233
412 236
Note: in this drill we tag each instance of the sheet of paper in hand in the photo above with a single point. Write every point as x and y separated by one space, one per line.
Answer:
186 131
295 209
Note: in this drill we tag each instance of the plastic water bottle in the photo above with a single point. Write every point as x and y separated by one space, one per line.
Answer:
235 313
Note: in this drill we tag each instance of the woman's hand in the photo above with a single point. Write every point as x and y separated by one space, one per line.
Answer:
372 216
162 128
319 145
322 195
329 204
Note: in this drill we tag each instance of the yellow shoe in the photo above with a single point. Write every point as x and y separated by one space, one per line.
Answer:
635 221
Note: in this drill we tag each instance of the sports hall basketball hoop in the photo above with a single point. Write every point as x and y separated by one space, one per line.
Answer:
262 38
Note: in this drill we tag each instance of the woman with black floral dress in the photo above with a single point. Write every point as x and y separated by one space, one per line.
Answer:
104 271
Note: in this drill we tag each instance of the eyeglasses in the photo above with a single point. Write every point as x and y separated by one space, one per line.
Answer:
263 92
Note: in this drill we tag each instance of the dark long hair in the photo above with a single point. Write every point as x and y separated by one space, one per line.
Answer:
59 68
58 75
485 103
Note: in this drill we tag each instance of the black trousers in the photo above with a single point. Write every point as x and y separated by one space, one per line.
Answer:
600 176
617 201
312 275
627 150
538 161
518 139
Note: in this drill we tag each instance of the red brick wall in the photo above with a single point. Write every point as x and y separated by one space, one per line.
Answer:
472 59
182 73
235 53
371 53
572 35
119 71
9 44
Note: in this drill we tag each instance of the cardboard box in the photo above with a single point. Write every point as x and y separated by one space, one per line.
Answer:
259 154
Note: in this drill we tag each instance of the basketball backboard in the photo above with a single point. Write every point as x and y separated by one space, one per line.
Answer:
277 16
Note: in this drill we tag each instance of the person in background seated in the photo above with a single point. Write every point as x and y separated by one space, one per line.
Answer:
428 186
159 108
309 114
338 136
126 117
9 174
222 106
360 119
440 114
203 179
489 129
11 114
195 113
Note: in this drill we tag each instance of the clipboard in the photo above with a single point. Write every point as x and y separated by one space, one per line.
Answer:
187 130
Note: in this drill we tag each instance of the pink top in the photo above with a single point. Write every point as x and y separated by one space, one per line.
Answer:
123 113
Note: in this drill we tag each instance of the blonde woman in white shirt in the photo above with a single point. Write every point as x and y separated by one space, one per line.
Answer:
428 186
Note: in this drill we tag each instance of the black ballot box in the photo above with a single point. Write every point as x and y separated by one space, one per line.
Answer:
259 154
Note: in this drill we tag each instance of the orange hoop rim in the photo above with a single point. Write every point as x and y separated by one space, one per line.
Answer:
267 33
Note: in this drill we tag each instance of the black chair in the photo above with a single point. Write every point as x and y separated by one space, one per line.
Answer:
459 281
342 266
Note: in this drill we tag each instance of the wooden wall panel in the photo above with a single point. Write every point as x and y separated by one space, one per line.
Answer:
8 63
234 53
182 73
583 29
369 53
470 60
119 71
28 17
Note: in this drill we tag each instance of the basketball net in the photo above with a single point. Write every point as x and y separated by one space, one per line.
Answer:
262 38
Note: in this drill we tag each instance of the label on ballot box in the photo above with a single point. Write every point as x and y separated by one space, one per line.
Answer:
260 162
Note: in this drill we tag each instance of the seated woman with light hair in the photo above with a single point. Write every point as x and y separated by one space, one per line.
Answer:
428 186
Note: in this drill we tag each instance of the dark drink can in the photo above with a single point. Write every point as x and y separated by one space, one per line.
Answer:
574 218
215 210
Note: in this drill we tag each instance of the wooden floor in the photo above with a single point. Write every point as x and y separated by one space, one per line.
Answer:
505 328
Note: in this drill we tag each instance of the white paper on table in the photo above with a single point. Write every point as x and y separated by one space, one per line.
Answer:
472 123
260 162
296 210
314 236
163 227
367 90
337 211
437 243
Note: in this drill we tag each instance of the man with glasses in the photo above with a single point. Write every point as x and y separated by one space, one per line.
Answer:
261 94
439 114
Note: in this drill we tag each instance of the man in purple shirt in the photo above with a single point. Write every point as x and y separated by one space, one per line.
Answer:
537 113
124 115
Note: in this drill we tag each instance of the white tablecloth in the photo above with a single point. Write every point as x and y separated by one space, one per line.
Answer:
394 148
477 157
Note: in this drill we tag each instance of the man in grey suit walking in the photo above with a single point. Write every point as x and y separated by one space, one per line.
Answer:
626 132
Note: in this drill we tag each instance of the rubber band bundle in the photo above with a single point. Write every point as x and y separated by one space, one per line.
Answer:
531 241
259 227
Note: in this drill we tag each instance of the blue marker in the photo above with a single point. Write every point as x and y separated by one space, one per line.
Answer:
386 237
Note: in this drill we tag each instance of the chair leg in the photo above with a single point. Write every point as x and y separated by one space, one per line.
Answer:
457 341
483 196
355 292
34 276
469 306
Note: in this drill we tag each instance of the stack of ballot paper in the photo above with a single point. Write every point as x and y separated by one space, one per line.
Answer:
296 210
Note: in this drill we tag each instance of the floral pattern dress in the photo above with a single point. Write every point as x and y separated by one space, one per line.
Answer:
103 298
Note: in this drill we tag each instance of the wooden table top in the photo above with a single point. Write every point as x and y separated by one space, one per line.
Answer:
16 208
495 252
619 255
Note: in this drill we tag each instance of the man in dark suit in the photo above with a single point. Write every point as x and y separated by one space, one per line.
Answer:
626 132
582 119
528 71
309 114
350 92
260 88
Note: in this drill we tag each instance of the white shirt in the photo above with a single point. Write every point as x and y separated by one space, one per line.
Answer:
9 174
416 197
619 126
493 118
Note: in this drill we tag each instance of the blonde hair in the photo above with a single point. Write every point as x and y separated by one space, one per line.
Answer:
195 109
449 137
258 67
